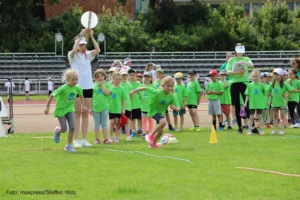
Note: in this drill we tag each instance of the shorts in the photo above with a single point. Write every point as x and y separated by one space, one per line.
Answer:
114 115
278 108
144 114
214 107
181 112
158 117
49 92
225 109
192 106
87 93
136 113
100 118
26 92
258 111
128 114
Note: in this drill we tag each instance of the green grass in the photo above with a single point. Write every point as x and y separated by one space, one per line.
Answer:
96 173
38 97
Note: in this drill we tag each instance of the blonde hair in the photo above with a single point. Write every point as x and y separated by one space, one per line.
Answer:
99 71
68 74
166 80
255 71
115 74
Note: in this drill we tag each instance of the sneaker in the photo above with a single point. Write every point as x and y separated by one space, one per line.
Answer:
224 122
179 129
133 134
155 146
128 138
268 126
69 148
234 122
297 125
85 143
255 131
192 129
220 128
140 132
143 136
77 143
97 141
117 140
149 138
292 126
245 127
171 128
274 132
249 133
106 141
261 133
229 128
281 132
240 131
198 129
111 139
56 135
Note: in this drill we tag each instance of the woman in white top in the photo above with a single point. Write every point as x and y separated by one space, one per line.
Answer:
150 68
27 88
50 86
80 59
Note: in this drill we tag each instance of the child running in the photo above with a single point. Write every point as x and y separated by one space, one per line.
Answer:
100 105
65 97
181 94
160 100
117 106
214 90
255 93
293 98
225 98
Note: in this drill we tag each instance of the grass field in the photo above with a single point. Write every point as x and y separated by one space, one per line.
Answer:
100 172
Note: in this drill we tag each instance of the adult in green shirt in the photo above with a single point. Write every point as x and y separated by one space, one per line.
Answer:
237 68
296 65
293 98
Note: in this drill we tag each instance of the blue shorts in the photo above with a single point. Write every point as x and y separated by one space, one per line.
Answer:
181 112
158 117
100 118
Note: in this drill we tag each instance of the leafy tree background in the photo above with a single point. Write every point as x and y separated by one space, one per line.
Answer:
168 27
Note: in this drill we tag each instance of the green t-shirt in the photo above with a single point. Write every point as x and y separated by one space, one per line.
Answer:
145 98
115 99
223 67
232 64
193 88
127 87
100 100
225 98
277 94
216 86
65 97
256 95
157 83
295 85
160 101
180 93
136 99
266 99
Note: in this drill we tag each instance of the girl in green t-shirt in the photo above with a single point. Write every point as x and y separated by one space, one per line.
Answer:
65 97
100 105
293 98
160 100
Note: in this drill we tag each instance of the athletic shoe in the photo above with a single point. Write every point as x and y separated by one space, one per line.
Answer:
77 143
97 141
274 132
133 134
111 139
261 133
234 122
154 145
229 128
292 126
224 122
178 129
85 143
281 132
143 136
56 135
245 127
240 131
140 132
249 133
268 126
220 128
198 129
149 138
117 140
171 128
255 131
128 138
192 129
69 148
297 125
105 141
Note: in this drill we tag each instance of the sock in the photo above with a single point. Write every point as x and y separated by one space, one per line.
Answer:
215 123
140 131
221 124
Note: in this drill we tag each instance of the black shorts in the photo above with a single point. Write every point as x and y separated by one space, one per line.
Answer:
167 111
158 117
87 93
128 114
192 106
258 111
49 92
114 115
136 113
26 92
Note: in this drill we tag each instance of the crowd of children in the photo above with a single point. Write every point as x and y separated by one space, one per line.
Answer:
133 103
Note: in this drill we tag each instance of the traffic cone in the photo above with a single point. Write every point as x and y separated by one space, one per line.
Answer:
213 136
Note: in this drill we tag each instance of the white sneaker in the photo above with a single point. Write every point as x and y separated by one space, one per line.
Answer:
178 129
297 125
77 143
85 143
281 132
128 138
274 132
292 126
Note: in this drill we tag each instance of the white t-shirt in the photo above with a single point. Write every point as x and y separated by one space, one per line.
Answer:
152 72
7 84
27 86
82 64
50 86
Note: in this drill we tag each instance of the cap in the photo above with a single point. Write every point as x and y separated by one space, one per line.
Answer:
192 72
112 69
123 120
240 49
284 72
178 75
139 75
131 71
49 78
126 61
159 70
278 71
146 74
213 72
157 66
82 41
268 74
124 72
263 75
222 72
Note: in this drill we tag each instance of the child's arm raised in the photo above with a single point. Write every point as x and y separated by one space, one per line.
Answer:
105 91
46 111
